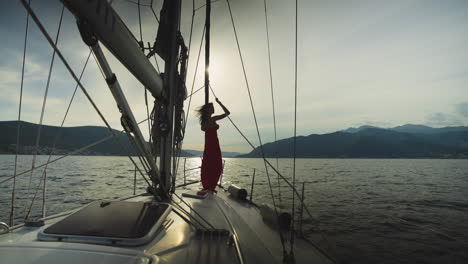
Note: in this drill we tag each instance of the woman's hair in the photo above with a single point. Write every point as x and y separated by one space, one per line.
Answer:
203 112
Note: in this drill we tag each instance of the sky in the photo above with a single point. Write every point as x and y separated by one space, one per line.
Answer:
376 62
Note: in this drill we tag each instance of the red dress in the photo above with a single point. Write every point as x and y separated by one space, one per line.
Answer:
212 164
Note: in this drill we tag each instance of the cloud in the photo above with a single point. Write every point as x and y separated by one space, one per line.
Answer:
383 64
441 119
462 109
10 73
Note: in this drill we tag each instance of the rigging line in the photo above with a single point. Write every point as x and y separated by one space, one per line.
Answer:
44 101
188 205
184 218
272 167
325 253
146 92
194 78
59 158
188 61
175 165
195 211
137 3
193 85
72 73
214 1
157 65
69 154
13 194
268 177
59 133
148 115
265 160
154 13
187 213
244 137
42 181
255 119
294 145
140 157
158 71
44 177
195 92
269 164
26 215
271 88
139 20
142 161
191 31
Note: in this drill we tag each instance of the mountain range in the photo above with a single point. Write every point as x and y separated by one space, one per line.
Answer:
407 141
71 138
412 129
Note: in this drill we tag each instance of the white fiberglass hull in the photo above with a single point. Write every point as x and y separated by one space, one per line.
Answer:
176 242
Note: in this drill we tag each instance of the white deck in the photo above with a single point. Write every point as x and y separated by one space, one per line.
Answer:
176 243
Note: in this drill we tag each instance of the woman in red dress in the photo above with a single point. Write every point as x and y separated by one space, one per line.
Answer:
212 164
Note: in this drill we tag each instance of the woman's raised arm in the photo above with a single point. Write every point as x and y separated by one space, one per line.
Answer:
226 111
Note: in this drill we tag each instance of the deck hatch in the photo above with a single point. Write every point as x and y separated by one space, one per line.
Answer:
115 222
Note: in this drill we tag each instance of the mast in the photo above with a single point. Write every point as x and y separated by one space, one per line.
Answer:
98 21
207 51
170 79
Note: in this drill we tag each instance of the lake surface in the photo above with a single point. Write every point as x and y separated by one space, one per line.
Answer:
369 210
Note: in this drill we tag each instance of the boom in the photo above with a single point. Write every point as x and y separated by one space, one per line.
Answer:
107 27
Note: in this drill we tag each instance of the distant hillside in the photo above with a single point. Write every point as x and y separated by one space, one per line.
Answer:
420 129
412 129
407 141
198 153
71 138
371 142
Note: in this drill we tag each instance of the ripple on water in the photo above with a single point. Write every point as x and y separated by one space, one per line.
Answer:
73 174
54 179
357 202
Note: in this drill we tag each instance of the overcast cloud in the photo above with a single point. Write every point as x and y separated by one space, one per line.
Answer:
384 63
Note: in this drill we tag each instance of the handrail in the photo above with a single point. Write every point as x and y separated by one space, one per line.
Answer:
4 228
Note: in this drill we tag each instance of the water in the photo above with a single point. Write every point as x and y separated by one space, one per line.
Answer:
369 210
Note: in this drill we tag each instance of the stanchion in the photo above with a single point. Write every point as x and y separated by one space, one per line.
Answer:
252 186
